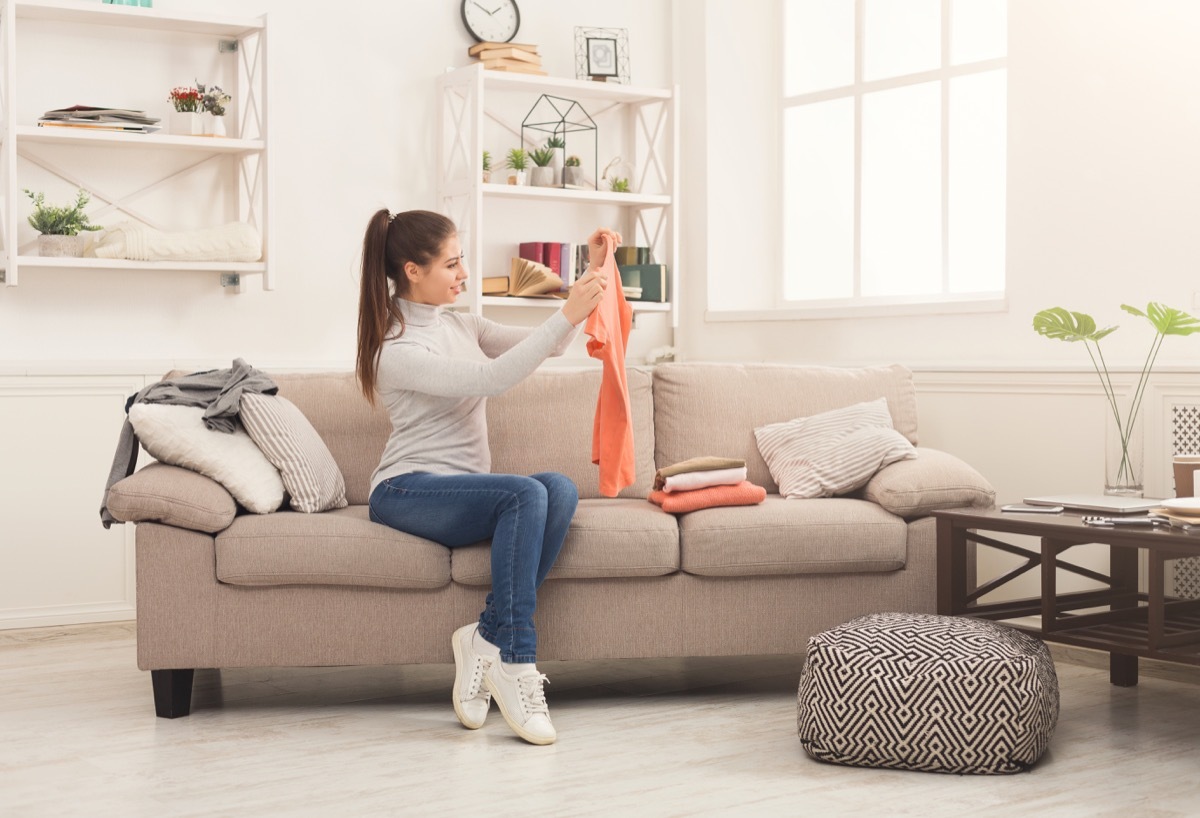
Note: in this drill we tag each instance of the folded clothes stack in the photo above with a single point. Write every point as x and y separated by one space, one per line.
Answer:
704 482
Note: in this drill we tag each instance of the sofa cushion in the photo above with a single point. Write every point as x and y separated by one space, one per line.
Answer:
170 495
607 538
290 442
935 479
780 536
545 422
713 409
177 435
341 547
832 452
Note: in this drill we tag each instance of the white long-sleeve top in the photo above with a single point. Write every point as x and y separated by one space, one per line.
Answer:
435 379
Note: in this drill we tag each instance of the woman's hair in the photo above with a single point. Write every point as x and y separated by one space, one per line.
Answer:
390 243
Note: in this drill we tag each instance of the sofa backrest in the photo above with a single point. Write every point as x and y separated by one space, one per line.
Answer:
542 424
713 409
545 422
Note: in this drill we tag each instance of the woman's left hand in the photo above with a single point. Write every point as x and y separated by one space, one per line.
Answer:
598 247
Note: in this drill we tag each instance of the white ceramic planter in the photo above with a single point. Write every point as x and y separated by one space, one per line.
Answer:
60 246
516 177
543 177
572 175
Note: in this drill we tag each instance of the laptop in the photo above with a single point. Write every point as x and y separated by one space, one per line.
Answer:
1097 502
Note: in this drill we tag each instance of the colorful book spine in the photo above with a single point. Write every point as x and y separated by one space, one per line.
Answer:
533 251
552 257
566 264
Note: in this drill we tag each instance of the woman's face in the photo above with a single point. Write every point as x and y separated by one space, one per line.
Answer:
440 281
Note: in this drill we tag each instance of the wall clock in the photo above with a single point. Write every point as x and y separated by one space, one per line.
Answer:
491 21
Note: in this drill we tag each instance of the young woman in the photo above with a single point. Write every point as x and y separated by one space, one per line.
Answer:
434 369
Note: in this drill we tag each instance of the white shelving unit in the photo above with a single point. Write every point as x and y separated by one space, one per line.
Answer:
247 180
646 123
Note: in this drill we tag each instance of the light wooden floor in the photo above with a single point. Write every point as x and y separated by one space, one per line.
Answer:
78 737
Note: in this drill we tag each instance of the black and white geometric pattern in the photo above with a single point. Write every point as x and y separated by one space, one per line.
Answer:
922 692
1185 429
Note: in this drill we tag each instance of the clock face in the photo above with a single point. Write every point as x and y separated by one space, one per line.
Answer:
492 21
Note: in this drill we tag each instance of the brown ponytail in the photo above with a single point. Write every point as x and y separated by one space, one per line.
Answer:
389 244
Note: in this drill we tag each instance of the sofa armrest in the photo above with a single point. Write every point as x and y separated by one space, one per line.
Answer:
935 479
173 496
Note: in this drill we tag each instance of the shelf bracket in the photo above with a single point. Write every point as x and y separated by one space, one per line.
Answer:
227 46
231 280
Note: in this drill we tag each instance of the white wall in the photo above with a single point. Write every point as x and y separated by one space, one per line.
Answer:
352 111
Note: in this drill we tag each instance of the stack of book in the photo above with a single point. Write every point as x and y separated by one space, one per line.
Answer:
644 282
100 119
523 59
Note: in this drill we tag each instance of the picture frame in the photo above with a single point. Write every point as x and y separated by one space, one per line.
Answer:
602 54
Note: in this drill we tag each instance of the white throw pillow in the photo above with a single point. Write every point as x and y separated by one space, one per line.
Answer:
310 474
177 435
833 452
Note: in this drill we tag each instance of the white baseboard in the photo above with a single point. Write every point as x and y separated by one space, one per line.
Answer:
18 618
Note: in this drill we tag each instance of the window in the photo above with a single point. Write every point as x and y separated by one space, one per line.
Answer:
893 120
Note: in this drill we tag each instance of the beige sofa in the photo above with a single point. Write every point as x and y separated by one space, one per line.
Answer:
220 589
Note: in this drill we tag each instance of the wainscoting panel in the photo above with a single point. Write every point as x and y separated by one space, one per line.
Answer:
58 565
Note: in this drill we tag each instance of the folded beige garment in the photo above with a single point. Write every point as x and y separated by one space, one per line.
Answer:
706 463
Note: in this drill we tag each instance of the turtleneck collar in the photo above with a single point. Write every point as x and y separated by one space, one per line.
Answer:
418 315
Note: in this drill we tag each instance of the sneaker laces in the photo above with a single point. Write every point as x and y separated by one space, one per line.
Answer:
533 697
476 690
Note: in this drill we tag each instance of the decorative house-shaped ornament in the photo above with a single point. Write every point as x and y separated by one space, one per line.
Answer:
559 118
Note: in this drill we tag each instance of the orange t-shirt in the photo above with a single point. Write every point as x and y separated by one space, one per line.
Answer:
612 430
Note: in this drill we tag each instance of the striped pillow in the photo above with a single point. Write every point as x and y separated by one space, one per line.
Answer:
290 442
833 452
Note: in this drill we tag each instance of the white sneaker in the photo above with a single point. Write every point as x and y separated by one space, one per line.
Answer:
471 698
523 703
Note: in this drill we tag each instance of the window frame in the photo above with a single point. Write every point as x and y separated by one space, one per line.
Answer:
943 301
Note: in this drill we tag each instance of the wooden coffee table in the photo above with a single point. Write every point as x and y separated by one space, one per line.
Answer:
1117 617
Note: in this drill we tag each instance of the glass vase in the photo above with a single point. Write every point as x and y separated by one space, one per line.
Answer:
1123 470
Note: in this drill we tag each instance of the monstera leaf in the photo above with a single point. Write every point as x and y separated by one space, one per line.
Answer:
1068 326
1166 320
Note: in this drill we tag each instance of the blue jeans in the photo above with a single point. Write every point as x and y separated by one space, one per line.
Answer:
525 517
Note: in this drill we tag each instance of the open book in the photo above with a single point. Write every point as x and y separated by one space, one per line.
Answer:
526 278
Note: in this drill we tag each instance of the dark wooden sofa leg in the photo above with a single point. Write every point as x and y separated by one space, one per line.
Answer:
172 692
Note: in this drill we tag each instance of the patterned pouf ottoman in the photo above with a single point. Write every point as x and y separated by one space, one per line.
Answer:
923 692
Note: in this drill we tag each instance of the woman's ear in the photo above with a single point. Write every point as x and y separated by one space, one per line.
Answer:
412 272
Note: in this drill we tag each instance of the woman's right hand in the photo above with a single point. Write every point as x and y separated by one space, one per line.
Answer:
584 296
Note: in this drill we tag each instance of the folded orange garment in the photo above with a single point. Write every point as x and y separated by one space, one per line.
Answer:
744 493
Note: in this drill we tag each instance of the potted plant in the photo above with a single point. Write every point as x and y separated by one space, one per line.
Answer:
543 174
487 166
60 226
557 144
517 162
213 101
572 174
618 184
1123 436
186 119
